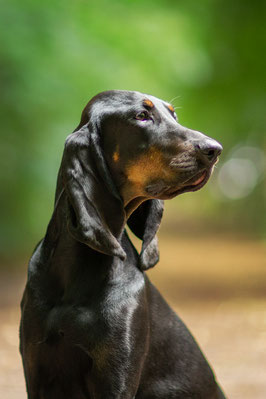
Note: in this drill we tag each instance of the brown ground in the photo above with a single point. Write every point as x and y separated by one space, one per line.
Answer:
217 286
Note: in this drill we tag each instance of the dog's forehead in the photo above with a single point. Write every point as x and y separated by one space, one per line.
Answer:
111 101
153 102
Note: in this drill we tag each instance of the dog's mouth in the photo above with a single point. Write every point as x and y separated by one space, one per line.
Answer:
194 183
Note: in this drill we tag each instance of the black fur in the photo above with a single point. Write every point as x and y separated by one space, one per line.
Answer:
93 326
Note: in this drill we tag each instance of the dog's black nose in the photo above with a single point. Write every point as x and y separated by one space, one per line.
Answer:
209 150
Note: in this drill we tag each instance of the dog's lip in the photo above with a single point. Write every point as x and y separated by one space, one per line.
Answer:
195 180
192 184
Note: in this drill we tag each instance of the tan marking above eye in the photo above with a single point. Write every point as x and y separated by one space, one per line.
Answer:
171 108
148 103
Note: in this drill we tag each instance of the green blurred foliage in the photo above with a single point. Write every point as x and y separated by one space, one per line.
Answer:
208 56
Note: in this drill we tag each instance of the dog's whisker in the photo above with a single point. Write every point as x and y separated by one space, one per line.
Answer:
173 99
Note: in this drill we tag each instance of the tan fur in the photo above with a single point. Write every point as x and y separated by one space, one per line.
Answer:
171 108
116 155
148 166
148 103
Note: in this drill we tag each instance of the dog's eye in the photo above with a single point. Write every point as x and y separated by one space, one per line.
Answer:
142 116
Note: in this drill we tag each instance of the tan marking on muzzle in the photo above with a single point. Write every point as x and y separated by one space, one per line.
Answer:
150 165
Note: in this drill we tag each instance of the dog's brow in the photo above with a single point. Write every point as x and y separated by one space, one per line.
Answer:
169 106
148 103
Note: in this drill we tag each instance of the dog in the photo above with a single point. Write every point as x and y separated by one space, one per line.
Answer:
92 324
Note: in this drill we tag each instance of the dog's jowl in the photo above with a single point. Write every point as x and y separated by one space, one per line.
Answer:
92 325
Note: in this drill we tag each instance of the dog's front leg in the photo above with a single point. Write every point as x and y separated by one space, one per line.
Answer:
115 381
118 364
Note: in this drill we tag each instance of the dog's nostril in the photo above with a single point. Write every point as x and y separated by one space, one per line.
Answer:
210 153
209 149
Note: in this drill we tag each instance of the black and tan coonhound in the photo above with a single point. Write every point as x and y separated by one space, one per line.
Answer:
93 326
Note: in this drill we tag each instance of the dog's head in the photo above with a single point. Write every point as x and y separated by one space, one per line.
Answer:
127 155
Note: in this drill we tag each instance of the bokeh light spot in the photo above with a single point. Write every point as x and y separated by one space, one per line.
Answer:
237 178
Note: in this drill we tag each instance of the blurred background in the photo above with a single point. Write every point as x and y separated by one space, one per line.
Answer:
208 59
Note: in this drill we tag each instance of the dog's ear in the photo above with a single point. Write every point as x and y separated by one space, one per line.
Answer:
144 223
90 194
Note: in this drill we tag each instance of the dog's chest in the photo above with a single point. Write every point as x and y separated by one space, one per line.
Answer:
110 314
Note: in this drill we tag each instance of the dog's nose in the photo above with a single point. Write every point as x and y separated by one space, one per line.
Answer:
209 150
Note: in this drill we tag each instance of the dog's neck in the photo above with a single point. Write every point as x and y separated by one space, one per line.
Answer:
132 197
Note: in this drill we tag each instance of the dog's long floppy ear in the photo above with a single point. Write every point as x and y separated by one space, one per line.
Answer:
90 194
145 222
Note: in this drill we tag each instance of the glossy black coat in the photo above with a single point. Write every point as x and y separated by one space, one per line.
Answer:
93 325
